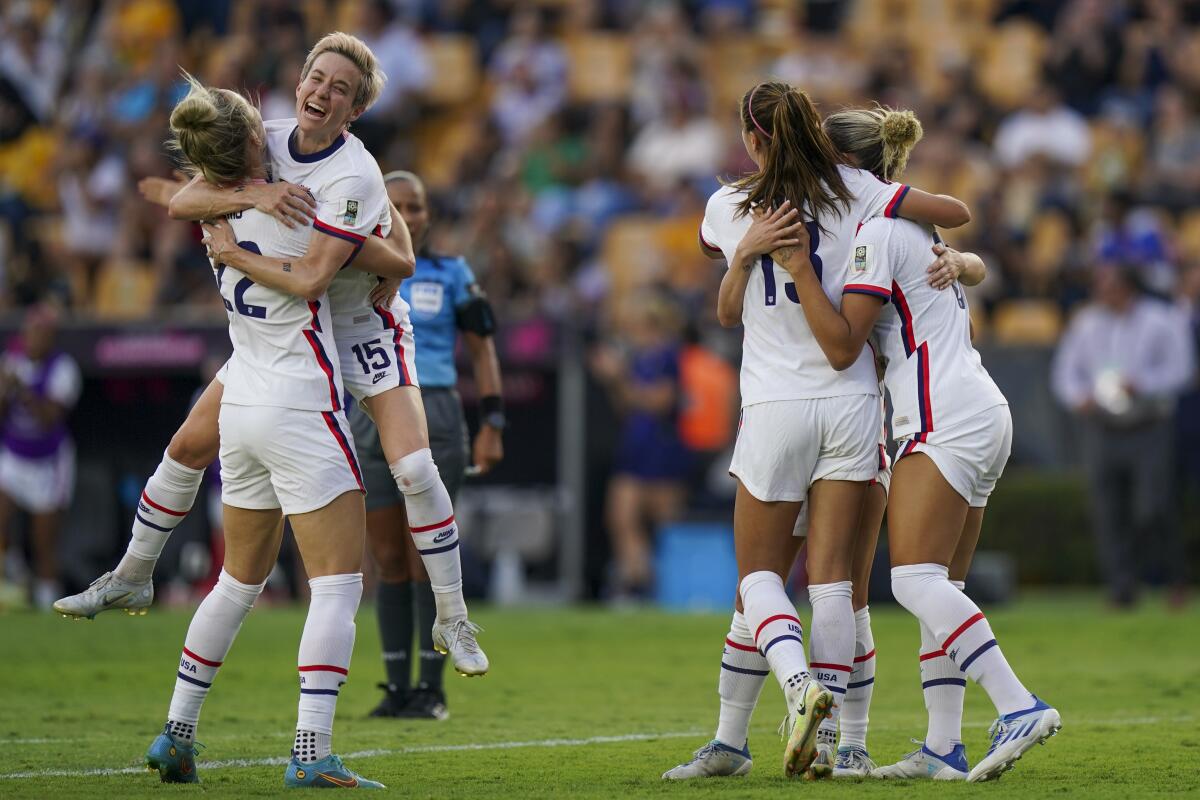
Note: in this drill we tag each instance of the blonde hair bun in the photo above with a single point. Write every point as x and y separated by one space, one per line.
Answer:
900 131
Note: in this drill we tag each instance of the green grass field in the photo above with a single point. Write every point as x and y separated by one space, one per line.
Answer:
582 703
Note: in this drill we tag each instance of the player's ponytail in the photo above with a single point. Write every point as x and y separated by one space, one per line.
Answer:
800 163
879 138
212 130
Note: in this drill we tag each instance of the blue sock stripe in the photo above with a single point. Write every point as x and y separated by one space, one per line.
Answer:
836 689
779 639
860 684
983 648
149 524
333 692
744 671
434 550
944 682
190 679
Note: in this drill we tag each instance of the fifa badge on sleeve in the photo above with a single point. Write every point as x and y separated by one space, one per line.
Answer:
862 257
348 211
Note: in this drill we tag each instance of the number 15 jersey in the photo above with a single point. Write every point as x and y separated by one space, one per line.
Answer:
781 359
284 352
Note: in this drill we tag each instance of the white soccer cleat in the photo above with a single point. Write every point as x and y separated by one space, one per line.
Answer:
1012 735
852 762
924 764
457 640
822 764
715 760
808 704
107 593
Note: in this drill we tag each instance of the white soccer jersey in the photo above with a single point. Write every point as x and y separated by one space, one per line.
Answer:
934 374
352 204
781 359
284 352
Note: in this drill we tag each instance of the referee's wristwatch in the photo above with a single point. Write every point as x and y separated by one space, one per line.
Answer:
491 412
496 420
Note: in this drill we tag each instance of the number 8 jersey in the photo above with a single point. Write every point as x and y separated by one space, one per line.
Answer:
284 352
781 359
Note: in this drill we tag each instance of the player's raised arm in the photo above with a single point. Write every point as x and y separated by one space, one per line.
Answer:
199 200
941 210
308 276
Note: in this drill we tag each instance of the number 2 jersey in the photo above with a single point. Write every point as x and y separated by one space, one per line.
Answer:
781 359
284 352
934 374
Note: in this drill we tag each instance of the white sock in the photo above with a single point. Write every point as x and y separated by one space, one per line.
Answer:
165 501
431 519
944 685
743 673
832 647
214 626
964 633
776 628
857 704
324 661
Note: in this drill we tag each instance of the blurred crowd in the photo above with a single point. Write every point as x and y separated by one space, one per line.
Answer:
569 147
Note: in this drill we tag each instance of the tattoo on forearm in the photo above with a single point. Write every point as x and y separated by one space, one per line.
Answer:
785 254
239 189
287 266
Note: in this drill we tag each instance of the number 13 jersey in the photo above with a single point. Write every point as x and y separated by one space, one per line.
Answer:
781 359
284 352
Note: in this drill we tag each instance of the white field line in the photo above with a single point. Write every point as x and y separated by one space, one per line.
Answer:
1090 721
239 763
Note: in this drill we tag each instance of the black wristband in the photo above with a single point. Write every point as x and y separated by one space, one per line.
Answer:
491 404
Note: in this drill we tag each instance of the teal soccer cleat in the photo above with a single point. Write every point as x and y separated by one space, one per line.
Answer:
174 761
328 773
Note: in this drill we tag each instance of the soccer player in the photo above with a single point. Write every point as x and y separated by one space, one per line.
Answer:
808 432
955 435
339 81
38 387
446 304
284 449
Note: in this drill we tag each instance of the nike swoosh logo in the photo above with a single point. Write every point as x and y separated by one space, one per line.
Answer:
336 781
109 599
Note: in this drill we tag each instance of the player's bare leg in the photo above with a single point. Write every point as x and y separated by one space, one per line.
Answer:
835 508
251 549
926 520
399 415
165 501
765 548
853 759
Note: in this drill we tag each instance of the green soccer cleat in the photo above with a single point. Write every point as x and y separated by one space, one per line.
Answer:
174 761
328 773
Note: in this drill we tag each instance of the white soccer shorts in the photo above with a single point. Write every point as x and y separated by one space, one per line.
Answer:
785 446
39 485
970 455
377 353
297 461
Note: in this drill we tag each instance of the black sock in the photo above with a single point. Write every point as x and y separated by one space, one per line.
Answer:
394 606
431 660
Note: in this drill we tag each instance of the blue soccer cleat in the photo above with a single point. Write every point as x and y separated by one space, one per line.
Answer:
1012 735
852 762
173 760
328 773
923 763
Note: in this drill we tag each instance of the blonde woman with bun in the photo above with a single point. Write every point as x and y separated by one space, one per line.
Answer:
809 437
285 450
954 432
